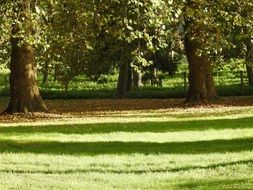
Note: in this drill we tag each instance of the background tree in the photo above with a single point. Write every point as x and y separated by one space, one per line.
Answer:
142 33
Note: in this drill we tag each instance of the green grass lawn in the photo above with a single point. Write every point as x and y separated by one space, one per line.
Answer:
189 149
81 87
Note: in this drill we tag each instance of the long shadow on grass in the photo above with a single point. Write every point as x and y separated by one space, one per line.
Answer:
156 127
228 184
99 148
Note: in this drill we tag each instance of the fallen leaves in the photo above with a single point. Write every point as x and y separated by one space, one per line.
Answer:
83 107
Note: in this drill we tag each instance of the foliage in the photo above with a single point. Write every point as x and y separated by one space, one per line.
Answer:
93 37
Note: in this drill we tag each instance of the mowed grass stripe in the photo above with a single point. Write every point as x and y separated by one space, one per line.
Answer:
143 126
214 179
177 136
135 163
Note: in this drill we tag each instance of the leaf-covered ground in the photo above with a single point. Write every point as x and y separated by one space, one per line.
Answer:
86 107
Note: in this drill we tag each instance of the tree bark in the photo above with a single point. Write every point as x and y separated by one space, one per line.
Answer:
129 79
249 61
45 73
25 96
137 80
249 69
122 80
201 84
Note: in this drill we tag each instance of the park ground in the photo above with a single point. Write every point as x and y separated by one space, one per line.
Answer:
129 144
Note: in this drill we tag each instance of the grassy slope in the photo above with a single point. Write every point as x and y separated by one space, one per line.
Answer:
164 149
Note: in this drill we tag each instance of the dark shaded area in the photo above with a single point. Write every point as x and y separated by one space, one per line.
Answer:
155 127
239 184
213 166
114 147
142 93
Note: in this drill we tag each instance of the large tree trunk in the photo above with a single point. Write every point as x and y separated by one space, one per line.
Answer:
25 96
122 80
249 60
201 84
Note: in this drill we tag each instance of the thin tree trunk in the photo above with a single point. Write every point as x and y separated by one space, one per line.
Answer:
137 79
46 73
122 80
154 78
249 61
25 96
129 79
56 72
250 74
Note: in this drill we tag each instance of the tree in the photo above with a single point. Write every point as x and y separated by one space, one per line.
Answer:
25 96
123 79
207 25
238 26
201 84
143 32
